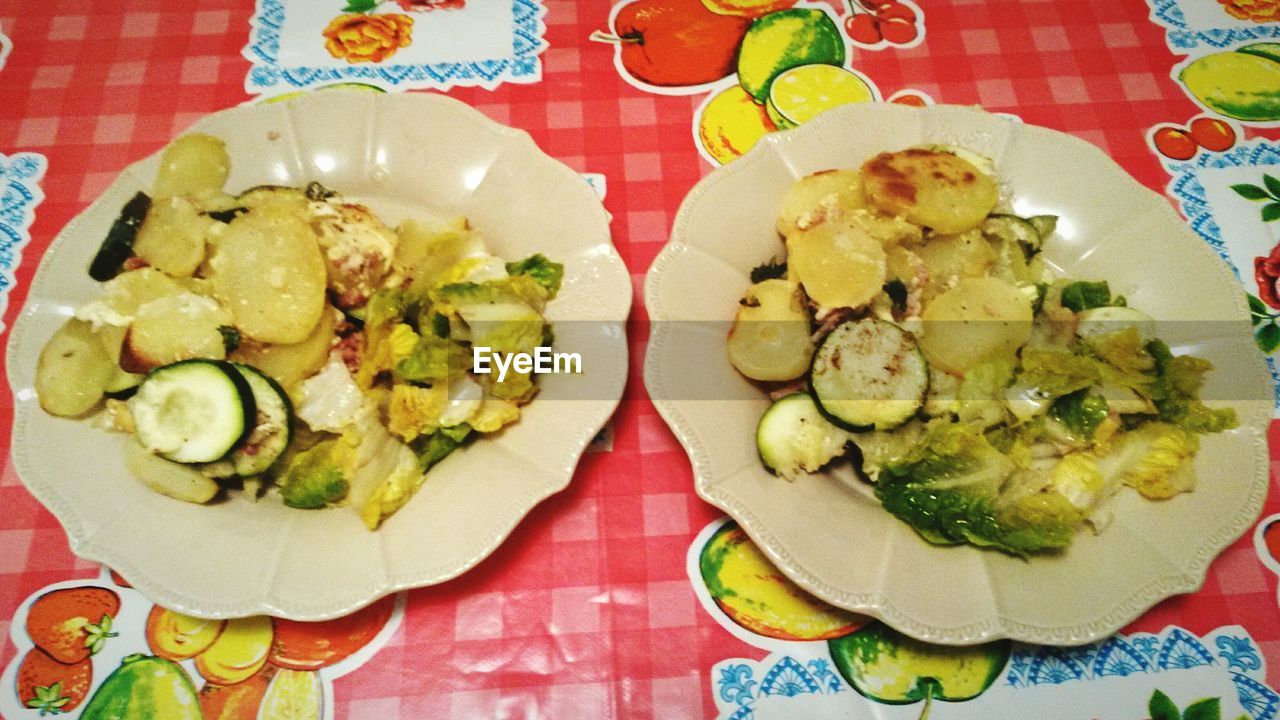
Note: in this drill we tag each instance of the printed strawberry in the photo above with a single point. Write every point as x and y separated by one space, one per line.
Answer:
52 687
72 623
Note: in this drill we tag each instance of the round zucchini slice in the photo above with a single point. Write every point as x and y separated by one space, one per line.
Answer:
869 374
193 411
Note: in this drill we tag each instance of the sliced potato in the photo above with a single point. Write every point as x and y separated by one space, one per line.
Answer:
770 338
935 189
979 319
839 265
268 271
176 480
194 164
949 257
815 198
290 364
73 370
173 328
172 238
128 291
905 266
890 230
112 337
261 195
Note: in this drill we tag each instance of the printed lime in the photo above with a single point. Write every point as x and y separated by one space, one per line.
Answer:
1241 85
785 39
778 119
802 93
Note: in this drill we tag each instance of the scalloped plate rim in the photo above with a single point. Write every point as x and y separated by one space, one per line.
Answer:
1253 422
618 301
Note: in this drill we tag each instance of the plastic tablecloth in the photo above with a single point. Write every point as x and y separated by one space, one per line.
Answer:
595 607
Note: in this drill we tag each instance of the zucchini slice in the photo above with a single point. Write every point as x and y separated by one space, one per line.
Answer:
1011 228
193 411
272 428
869 374
793 437
1044 224
118 245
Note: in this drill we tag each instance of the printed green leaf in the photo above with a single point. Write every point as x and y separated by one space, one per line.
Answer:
1206 709
1250 192
1268 338
360 6
1271 212
1273 185
1257 309
1160 707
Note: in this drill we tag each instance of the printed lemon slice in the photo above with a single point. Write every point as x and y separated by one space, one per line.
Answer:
293 695
801 93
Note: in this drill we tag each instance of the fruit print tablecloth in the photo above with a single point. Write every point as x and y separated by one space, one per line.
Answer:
626 596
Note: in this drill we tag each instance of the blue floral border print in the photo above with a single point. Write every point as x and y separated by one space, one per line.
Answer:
268 76
739 684
1185 187
1182 37
20 176
1229 648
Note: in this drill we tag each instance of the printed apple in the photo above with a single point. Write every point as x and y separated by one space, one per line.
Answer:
676 43
887 666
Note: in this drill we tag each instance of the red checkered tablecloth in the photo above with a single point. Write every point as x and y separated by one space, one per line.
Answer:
587 611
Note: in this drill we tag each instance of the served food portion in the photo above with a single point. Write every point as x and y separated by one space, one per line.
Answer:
285 340
913 327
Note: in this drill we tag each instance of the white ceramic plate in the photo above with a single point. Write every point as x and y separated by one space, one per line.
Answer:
837 542
404 155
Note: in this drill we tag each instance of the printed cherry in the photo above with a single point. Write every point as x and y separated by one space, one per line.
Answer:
1174 143
863 28
898 32
909 98
1212 134
896 11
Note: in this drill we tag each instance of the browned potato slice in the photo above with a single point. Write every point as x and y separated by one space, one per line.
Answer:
770 338
979 319
838 265
194 164
173 328
73 370
815 198
268 271
172 238
930 188
290 364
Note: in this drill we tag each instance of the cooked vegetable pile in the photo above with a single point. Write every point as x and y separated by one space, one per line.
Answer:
989 402
287 340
